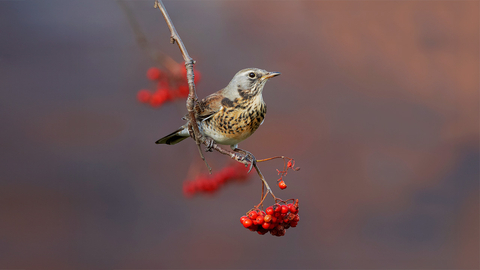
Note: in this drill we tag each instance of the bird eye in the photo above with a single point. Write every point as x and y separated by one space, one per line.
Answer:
251 75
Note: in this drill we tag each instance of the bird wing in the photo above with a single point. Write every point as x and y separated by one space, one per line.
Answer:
208 106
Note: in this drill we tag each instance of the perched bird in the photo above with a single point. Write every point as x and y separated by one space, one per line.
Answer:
232 114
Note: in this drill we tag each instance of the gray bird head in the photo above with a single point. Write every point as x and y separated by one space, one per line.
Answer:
248 83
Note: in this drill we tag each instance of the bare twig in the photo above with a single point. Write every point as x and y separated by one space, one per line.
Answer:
270 158
192 96
263 180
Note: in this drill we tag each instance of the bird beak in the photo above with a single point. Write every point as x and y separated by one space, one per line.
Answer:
270 75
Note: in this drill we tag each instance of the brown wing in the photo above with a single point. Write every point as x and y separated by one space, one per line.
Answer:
208 106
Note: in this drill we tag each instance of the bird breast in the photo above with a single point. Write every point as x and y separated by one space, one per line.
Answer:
235 121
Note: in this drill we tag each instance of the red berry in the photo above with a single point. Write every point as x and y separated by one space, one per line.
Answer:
296 219
243 218
144 95
269 210
183 90
289 164
247 223
163 84
252 215
188 189
154 73
211 186
266 225
159 97
167 94
262 232
260 220
267 218
282 185
200 183
284 209
229 172
157 100
293 224
274 220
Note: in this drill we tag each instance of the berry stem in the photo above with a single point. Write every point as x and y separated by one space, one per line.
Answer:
269 190
262 197
267 159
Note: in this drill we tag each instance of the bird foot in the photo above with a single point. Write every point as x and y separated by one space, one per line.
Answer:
209 142
245 157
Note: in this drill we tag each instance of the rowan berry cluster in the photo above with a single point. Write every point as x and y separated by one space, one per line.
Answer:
210 184
276 219
168 86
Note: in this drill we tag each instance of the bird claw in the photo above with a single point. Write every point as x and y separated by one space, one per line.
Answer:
251 166
246 158
209 141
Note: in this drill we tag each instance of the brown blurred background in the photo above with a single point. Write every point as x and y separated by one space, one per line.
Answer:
378 101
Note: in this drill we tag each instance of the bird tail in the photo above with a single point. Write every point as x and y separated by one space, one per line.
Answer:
174 137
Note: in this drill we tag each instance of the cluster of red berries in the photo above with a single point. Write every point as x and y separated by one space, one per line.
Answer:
276 219
210 184
169 87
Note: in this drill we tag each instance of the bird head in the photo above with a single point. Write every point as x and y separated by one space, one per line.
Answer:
249 82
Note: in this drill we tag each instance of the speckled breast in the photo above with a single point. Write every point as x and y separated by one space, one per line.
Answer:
233 124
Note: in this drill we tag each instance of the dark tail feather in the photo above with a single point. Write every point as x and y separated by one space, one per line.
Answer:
172 138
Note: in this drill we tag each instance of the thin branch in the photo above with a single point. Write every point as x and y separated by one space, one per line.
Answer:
267 159
263 180
192 96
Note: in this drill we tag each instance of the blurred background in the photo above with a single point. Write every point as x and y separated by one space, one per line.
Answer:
378 102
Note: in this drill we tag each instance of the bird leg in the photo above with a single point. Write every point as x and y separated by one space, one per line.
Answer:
246 158
209 143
